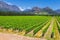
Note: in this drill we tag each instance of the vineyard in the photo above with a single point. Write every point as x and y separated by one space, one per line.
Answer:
32 26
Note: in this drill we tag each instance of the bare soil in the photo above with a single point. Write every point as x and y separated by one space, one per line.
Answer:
6 36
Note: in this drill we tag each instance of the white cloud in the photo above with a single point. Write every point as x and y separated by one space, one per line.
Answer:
9 3
22 9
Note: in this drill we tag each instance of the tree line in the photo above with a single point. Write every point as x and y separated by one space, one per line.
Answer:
9 13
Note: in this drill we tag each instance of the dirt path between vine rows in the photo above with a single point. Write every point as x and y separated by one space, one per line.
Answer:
4 36
49 31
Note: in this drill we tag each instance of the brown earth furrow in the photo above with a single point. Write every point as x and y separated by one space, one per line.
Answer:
49 31
4 36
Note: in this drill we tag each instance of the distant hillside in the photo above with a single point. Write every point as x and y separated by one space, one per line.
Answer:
6 7
58 11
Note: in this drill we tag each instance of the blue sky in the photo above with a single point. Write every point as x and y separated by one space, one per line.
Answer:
54 4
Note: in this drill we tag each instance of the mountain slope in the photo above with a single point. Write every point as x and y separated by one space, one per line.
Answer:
58 11
6 7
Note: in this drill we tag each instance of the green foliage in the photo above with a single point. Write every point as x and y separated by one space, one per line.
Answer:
20 23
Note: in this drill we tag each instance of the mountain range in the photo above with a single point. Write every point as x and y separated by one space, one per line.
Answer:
6 7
